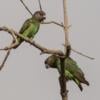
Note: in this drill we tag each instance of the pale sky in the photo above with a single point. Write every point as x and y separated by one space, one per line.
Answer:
24 76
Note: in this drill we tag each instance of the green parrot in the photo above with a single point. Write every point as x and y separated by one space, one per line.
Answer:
72 71
29 28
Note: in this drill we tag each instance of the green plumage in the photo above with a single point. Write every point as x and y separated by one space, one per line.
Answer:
72 71
31 26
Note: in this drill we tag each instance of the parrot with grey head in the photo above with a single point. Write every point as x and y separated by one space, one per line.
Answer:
29 29
31 26
72 71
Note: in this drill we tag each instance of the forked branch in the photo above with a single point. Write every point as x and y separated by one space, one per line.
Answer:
61 25
33 43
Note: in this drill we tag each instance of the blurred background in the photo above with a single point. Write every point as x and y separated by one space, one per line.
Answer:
24 76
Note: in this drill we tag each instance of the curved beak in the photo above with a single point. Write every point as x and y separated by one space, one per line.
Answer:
44 17
47 66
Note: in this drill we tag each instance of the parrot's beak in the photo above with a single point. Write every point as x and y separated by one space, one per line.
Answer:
44 17
47 66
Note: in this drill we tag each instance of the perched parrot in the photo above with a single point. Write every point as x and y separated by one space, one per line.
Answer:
29 28
72 71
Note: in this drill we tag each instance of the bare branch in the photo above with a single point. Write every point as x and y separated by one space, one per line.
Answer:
56 23
8 52
63 90
91 58
53 22
66 24
33 43
62 79
5 59
61 25
62 82
40 5
26 7
80 53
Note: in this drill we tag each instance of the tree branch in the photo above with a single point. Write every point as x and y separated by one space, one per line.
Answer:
53 22
78 52
41 48
61 25
62 82
5 59
8 52
33 43
26 7
66 24
56 23
62 79
91 58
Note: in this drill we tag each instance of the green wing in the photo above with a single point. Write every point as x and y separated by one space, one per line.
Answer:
30 28
58 64
73 68
70 76
25 26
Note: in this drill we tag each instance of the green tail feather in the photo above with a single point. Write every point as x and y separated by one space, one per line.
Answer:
71 77
86 82
78 83
80 87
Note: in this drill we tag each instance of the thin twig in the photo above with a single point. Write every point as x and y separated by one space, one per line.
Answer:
5 59
56 23
80 53
33 43
8 52
40 5
53 22
91 58
26 7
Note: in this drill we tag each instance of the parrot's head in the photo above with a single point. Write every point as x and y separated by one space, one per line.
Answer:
50 62
39 15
